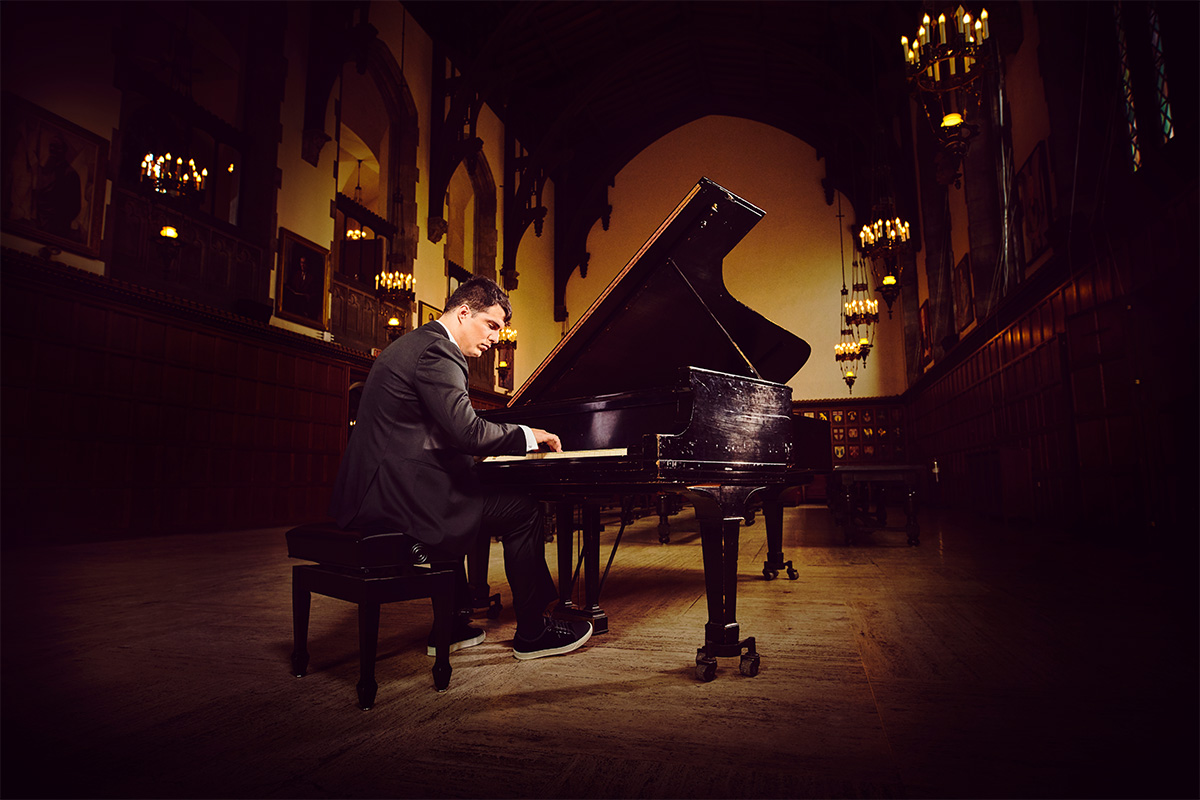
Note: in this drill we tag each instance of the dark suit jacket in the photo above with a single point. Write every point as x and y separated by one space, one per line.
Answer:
409 464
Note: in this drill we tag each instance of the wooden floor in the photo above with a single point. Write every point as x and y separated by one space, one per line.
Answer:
991 661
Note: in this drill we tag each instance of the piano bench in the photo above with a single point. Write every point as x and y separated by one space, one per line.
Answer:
369 570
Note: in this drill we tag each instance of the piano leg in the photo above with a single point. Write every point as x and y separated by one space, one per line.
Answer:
720 512
591 567
664 521
591 564
773 519
565 530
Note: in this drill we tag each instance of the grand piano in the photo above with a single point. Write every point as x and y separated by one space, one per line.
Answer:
666 384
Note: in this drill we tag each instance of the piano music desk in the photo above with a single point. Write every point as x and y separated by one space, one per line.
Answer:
853 488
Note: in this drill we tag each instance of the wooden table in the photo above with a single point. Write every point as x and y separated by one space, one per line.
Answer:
854 487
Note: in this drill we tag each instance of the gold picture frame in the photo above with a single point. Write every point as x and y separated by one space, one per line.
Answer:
426 313
54 176
302 281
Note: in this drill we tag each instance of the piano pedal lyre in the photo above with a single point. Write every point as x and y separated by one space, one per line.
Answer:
748 664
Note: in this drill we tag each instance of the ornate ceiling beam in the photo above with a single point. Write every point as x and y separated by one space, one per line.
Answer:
524 180
453 139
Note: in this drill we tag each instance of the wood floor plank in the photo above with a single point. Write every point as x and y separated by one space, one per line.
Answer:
990 662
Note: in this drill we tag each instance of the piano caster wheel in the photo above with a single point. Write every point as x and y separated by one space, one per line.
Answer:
771 570
749 665
299 664
706 666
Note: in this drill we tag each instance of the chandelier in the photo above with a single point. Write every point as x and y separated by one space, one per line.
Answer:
171 176
394 287
847 353
506 352
944 63
861 312
883 242
857 312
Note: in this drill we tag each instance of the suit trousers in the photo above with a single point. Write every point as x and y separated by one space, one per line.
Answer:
516 520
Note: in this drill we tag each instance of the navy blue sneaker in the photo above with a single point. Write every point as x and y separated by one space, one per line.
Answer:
558 637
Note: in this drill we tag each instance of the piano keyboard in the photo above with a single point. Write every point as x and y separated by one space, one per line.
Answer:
612 451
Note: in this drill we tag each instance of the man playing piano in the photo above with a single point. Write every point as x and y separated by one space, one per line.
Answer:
409 466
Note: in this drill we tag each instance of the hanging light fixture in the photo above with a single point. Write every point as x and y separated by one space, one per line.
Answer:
506 349
395 287
944 63
861 312
849 349
883 242
170 175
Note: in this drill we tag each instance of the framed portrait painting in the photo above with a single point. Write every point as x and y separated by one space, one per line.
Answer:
54 174
1033 204
302 281
926 334
427 313
964 296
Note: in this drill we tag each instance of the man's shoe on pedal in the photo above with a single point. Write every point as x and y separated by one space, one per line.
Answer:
558 637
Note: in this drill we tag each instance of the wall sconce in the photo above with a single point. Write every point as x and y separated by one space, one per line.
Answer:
168 244
170 176
395 287
505 354
944 63
394 329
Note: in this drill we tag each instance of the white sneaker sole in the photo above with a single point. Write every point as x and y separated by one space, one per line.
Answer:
553 651
431 651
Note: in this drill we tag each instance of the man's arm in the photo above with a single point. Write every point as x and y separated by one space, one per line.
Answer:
441 383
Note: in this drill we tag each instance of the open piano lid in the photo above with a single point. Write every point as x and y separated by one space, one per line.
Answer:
668 309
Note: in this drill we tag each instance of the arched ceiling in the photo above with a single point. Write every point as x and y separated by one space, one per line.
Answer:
585 86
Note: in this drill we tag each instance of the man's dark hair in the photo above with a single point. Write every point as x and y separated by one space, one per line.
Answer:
480 294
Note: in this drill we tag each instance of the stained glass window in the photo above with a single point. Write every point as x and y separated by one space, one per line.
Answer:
1160 76
1127 87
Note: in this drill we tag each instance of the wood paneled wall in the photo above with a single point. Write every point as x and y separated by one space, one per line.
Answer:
127 412
1080 410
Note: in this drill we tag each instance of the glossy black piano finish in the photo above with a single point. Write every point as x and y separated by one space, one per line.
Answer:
689 385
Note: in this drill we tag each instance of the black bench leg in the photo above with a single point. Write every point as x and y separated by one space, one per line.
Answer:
301 602
368 642
443 626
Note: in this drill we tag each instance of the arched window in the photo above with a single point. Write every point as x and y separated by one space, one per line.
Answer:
1142 67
